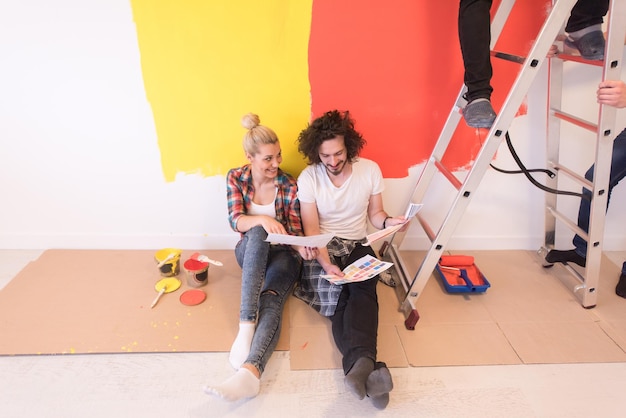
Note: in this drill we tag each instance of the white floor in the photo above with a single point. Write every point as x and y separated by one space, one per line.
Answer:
170 385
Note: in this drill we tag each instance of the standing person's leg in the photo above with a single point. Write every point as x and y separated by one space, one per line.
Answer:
355 331
620 289
474 26
252 255
586 13
618 172
283 268
584 28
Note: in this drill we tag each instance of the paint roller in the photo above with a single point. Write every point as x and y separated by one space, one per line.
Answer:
456 260
456 263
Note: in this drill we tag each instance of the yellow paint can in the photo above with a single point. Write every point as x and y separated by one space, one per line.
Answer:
168 261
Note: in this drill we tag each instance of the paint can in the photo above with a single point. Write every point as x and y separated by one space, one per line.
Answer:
168 261
197 272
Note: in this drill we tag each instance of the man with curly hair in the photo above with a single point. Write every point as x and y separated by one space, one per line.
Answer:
338 193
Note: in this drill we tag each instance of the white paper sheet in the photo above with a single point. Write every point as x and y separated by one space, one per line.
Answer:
412 210
318 241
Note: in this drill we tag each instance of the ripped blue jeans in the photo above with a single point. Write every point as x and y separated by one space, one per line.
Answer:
268 274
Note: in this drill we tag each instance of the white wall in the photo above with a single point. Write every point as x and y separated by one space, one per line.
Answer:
80 164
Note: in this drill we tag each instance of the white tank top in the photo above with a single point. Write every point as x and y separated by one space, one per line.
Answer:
267 210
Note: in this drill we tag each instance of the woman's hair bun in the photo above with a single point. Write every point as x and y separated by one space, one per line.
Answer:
250 121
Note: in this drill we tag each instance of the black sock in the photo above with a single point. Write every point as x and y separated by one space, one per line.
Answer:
620 289
569 256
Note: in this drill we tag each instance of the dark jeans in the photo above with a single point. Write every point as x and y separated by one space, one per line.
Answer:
618 172
474 36
586 13
355 322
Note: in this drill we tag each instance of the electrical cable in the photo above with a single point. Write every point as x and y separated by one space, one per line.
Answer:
526 172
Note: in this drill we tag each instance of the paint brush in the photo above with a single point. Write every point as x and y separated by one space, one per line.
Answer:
166 259
154 302
206 259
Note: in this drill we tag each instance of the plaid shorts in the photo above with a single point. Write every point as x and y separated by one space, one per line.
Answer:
318 292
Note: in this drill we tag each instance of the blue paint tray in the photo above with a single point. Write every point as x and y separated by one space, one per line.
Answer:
459 274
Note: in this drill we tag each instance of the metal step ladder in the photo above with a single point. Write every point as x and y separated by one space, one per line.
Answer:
409 287
584 283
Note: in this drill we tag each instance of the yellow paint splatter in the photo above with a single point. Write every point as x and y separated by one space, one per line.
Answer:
207 63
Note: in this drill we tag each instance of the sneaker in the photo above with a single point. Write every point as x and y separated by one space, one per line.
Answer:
479 113
565 256
590 46
387 278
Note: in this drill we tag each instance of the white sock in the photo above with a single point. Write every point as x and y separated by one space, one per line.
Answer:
241 346
244 384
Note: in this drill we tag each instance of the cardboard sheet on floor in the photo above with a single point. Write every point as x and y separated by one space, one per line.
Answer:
98 301
529 315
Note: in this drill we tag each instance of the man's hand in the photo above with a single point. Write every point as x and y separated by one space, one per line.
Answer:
612 93
397 220
333 270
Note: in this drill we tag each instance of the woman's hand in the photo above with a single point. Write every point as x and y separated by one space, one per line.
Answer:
307 253
272 226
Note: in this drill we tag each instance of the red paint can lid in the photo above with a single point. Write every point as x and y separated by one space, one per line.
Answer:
192 297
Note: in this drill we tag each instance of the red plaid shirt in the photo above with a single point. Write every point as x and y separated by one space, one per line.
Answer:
240 192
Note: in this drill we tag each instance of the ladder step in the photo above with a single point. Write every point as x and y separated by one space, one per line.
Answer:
592 127
448 174
574 227
581 180
508 57
578 58
426 227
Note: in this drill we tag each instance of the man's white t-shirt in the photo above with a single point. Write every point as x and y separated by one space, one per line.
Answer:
342 210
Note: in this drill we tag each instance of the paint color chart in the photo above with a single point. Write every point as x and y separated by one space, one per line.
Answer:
362 269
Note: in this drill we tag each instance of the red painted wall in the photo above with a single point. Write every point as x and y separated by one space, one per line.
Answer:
396 65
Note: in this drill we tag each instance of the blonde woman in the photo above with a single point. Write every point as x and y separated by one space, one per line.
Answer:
262 199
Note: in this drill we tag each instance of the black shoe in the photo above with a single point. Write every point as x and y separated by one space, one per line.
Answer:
567 256
620 289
